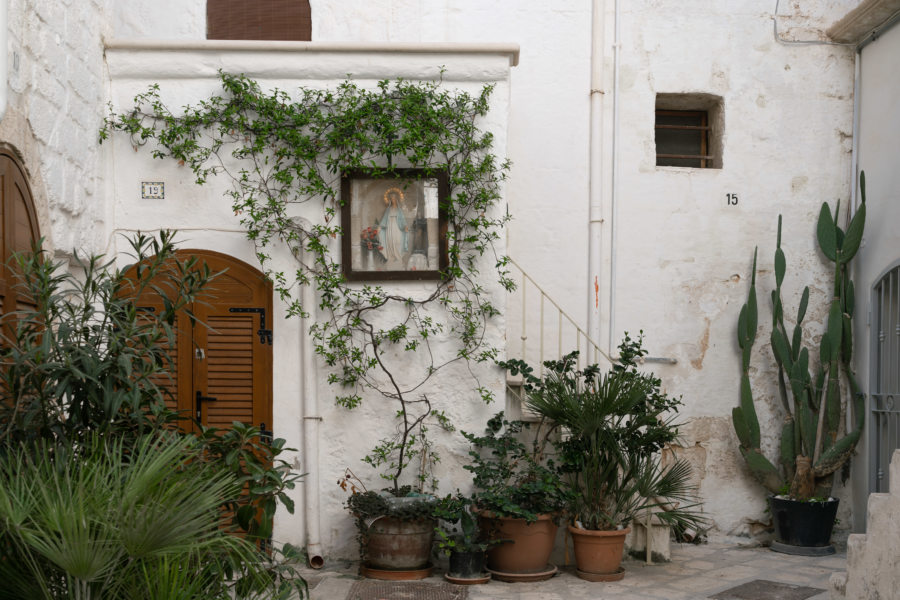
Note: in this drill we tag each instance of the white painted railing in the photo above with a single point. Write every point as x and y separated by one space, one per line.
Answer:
539 330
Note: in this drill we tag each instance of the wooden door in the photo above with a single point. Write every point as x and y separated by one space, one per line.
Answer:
18 228
222 358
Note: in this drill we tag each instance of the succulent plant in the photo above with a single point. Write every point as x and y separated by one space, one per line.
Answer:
815 441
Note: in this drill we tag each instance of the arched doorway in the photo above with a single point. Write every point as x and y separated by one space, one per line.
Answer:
18 227
222 369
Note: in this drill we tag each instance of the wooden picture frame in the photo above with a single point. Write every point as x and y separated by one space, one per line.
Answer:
395 226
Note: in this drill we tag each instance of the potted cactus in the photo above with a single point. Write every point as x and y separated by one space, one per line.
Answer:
815 440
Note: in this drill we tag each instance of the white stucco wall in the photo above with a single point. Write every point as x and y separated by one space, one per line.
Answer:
56 86
682 254
879 130
205 217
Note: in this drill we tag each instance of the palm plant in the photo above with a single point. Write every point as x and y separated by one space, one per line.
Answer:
136 522
612 427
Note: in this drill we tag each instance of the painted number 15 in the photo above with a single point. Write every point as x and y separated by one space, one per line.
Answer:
731 199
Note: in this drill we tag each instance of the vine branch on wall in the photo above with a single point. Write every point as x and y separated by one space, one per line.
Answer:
280 152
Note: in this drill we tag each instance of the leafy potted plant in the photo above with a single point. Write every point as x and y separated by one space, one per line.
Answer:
461 538
815 438
519 496
396 525
615 425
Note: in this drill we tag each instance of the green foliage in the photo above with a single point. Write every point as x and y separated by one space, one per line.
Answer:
615 425
255 463
282 152
814 398
126 521
513 479
83 364
458 529
84 359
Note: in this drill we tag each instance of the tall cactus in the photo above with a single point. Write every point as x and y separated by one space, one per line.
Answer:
814 406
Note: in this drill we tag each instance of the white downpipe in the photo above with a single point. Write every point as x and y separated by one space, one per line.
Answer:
4 56
854 154
595 158
615 183
311 420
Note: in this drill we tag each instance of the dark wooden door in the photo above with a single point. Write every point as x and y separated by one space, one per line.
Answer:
18 228
222 359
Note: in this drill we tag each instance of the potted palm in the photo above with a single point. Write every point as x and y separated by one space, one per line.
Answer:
614 426
815 437
519 495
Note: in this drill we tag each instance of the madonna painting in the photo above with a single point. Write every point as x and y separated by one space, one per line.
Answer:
393 227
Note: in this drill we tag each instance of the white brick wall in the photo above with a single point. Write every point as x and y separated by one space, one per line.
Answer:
56 80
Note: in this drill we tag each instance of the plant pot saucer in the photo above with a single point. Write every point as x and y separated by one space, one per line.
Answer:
485 577
616 575
526 576
395 574
803 550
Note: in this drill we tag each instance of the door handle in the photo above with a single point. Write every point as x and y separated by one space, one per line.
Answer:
199 399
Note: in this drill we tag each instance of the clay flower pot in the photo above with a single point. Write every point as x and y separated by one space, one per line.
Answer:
530 545
598 554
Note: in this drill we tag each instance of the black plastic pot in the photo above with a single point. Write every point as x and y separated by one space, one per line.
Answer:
466 565
803 528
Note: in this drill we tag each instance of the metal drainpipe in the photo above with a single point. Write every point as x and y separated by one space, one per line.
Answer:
4 51
595 157
311 420
615 184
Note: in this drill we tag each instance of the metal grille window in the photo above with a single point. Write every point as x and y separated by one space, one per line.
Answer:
885 378
682 138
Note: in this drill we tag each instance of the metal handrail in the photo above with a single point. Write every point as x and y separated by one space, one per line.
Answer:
581 336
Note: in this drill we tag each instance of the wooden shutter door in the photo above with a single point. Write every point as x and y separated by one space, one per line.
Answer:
222 367
234 363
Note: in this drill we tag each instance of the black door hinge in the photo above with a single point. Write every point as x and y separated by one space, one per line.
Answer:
265 335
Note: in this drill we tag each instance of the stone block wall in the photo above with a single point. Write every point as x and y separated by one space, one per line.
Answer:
56 91
872 572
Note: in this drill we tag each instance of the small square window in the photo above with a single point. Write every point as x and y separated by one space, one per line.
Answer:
688 131
682 138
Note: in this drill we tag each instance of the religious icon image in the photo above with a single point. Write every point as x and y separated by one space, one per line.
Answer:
393 227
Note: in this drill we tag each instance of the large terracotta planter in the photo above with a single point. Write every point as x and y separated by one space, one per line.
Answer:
598 554
530 545
396 544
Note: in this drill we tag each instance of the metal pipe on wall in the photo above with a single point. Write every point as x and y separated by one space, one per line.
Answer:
595 158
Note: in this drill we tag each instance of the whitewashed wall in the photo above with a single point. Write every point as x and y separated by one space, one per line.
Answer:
682 254
56 89
205 217
879 130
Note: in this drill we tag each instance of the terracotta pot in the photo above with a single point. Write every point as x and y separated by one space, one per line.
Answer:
396 544
598 552
530 546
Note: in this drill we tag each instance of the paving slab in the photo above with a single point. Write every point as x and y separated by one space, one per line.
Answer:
696 572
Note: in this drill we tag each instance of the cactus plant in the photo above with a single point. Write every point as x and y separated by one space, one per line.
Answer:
815 437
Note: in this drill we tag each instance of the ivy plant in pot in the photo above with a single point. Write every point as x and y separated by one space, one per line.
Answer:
815 437
615 425
519 495
461 538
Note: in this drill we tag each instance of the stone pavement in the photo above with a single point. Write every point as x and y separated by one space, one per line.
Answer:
695 572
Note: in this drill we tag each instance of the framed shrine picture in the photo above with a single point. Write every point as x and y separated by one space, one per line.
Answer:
395 227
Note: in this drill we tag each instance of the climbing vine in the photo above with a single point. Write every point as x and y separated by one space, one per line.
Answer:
284 153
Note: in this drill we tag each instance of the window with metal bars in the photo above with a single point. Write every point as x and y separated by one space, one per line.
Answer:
682 139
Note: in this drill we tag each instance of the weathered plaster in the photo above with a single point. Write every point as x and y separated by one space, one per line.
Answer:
205 217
